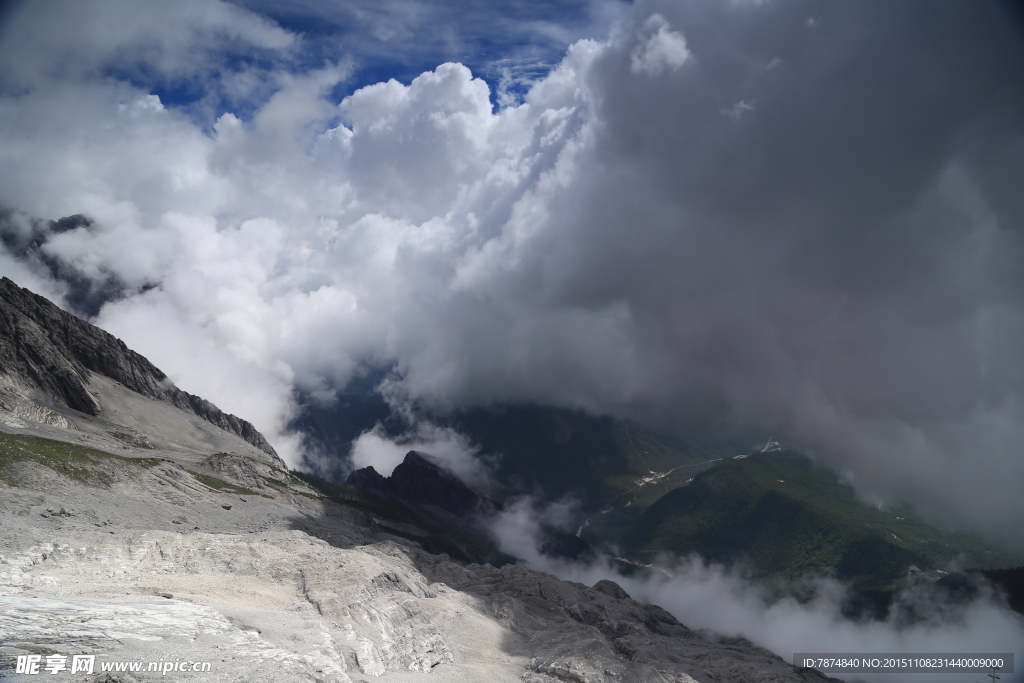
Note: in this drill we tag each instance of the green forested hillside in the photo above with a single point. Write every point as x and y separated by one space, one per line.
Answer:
785 516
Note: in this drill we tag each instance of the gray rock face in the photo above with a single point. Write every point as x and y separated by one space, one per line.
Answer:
594 634
51 351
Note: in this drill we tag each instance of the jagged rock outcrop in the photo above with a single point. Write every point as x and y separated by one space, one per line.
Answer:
369 479
419 481
46 349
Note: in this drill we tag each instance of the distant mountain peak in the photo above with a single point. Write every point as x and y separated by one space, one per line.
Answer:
421 480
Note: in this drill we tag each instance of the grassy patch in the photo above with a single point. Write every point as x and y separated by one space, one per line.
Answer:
284 488
80 463
218 484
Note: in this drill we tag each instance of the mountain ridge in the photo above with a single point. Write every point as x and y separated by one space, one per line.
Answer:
49 350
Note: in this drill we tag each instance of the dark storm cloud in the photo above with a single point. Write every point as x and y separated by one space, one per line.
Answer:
797 217
825 259
832 248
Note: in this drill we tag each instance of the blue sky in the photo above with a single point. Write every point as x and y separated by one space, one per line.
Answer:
402 39
508 45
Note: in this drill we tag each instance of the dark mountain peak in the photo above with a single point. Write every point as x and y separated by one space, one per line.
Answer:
420 480
368 479
417 464
50 351
415 459
70 223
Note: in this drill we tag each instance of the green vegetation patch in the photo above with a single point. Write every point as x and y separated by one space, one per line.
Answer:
80 463
285 488
218 484
785 516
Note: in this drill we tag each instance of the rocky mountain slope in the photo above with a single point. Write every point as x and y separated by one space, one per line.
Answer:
49 356
137 529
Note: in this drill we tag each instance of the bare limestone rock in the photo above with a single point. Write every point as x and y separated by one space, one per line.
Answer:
600 634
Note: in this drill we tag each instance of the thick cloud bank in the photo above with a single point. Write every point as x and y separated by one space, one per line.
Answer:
799 217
